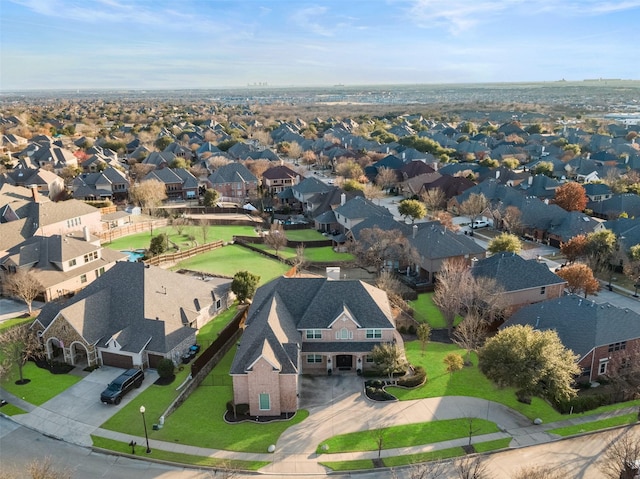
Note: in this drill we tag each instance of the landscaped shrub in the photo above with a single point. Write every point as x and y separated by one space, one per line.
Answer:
583 403
378 394
165 368
418 378
411 330
237 409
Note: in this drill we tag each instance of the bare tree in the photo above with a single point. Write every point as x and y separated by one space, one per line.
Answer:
373 192
24 284
277 238
433 199
386 178
148 194
424 334
18 345
471 468
429 470
470 334
392 286
513 219
204 229
619 460
453 275
375 247
474 206
300 261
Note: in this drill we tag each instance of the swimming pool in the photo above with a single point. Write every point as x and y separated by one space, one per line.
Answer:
134 256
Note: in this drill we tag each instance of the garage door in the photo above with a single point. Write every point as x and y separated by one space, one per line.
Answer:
154 359
117 360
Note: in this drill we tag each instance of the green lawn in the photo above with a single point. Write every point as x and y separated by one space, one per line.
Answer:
323 254
304 235
42 387
471 382
11 410
407 435
199 421
209 332
216 232
231 259
10 323
596 425
180 458
427 311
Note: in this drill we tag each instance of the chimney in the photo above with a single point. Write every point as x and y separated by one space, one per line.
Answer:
626 158
404 155
497 174
85 232
343 199
415 231
588 156
34 193
530 180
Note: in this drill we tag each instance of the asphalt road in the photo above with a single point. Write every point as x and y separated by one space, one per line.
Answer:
19 446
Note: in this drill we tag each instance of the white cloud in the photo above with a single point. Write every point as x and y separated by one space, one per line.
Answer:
308 19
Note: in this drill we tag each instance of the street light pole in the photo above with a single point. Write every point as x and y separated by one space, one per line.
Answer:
146 436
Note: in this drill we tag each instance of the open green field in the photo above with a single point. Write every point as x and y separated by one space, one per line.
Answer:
230 259
199 420
323 254
304 235
407 435
215 232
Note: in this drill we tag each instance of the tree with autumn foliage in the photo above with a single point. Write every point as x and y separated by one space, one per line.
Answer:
580 279
571 197
575 248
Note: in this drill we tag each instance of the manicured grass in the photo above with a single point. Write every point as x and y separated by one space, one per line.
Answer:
324 254
471 382
199 420
42 387
11 410
231 259
209 332
10 323
304 235
407 435
426 310
356 465
492 445
177 457
216 232
596 425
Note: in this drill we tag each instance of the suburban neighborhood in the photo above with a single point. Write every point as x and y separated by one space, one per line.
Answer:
299 280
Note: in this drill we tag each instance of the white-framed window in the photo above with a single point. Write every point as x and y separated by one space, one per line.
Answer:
543 289
374 334
83 278
264 402
344 333
91 256
314 358
72 262
368 359
602 369
314 334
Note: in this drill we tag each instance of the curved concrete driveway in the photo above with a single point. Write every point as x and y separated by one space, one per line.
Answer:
77 412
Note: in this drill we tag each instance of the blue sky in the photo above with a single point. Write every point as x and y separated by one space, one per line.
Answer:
155 44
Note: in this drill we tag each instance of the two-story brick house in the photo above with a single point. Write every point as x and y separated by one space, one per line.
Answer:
306 326
602 335
278 178
234 182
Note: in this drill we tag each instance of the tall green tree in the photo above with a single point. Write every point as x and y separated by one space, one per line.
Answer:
424 335
535 362
244 285
389 358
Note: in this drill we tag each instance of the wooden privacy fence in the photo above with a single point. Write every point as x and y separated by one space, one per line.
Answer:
211 356
182 255
115 233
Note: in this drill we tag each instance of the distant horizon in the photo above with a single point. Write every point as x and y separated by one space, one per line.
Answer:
322 86
164 45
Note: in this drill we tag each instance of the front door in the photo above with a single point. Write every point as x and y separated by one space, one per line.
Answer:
344 362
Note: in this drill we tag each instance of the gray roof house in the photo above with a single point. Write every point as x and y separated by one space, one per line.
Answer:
599 333
306 325
131 316
521 281
234 182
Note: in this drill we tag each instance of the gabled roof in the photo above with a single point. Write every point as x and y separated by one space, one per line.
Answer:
514 273
232 173
142 304
360 207
284 307
581 324
279 172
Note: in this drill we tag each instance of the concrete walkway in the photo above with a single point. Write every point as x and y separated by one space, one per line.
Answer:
338 407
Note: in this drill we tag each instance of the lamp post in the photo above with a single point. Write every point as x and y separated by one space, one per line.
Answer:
146 436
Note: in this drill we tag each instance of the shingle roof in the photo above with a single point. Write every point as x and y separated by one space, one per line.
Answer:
286 305
581 324
514 273
232 173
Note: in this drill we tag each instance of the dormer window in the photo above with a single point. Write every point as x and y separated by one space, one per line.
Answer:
344 333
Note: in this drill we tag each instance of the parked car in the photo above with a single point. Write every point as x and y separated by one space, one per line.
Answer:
191 353
479 224
131 378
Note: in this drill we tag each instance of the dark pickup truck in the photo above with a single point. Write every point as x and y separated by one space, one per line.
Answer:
122 385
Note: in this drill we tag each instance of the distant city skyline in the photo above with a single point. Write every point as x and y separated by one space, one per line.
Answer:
157 44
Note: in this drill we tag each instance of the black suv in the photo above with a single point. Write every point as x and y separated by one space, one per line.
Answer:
122 385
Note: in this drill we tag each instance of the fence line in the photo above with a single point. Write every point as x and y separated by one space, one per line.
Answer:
182 255
115 233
